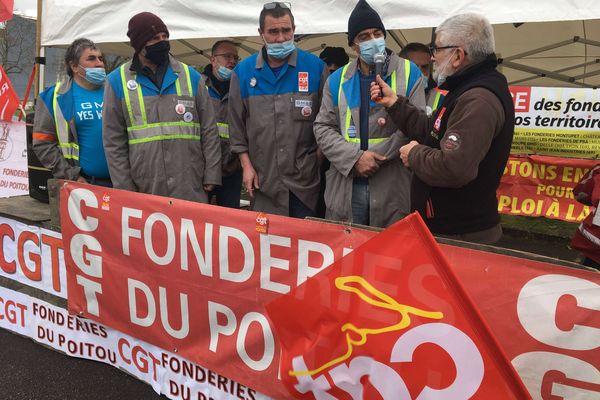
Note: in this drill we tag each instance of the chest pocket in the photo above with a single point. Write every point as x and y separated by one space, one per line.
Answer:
304 107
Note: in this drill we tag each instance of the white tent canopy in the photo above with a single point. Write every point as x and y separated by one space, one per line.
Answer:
555 42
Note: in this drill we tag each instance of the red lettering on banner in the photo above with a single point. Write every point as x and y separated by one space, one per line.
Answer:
12 312
521 96
229 272
55 245
143 361
10 267
28 252
542 186
388 336
166 275
35 258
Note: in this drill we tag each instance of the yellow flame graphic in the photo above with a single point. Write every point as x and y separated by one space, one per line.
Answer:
377 299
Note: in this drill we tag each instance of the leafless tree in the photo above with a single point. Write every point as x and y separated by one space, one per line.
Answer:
16 39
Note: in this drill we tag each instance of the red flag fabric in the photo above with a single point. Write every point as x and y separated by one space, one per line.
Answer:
390 321
6 10
9 101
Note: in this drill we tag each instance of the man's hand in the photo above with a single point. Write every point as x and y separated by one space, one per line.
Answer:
405 150
81 179
208 188
250 179
368 163
382 93
249 175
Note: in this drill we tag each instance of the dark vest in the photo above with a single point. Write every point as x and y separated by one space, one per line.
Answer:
473 207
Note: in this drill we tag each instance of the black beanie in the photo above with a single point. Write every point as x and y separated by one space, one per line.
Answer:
334 55
143 27
363 17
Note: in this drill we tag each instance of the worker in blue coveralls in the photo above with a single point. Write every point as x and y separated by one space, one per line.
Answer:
274 97
67 132
224 57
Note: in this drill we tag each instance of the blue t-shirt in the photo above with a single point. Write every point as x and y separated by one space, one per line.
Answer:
88 119
277 70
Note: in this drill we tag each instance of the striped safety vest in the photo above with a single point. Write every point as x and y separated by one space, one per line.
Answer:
222 127
69 149
138 128
348 121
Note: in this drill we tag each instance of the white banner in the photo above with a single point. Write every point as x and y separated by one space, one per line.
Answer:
14 179
555 121
167 373
33 256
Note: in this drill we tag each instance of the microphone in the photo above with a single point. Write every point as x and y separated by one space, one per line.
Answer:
379 60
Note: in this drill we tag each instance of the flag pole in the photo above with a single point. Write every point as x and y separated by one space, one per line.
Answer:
39 59
31 78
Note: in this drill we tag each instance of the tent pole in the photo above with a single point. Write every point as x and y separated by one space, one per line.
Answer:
544 73
38 47
541 49
394 36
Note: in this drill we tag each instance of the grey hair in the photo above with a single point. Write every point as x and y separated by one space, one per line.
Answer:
471 31
74 52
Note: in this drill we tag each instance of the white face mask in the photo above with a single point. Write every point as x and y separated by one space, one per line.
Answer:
438 73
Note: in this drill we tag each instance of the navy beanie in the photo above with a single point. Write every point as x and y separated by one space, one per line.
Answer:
363 17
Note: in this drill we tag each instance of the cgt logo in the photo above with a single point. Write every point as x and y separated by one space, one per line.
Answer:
347 373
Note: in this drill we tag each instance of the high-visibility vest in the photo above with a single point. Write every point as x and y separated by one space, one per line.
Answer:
222 127
69 149
348 119
138 128
437 98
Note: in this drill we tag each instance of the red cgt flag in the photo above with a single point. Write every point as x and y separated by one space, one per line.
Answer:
9 101
389 321
6 10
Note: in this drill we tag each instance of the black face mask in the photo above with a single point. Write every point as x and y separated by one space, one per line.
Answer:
158 53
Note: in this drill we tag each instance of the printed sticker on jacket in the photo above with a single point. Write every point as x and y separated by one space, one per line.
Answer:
303 81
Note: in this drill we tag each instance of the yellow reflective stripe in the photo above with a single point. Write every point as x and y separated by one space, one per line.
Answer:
223 130
436 102
406 74
342 81
163 137
349 113
163 124
126 94
348 120
69 150
56 121
188 79
142 105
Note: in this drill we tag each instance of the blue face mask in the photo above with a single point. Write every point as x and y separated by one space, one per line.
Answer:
370 48
280 50
224 73
95 76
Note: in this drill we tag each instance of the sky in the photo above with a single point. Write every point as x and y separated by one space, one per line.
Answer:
27 7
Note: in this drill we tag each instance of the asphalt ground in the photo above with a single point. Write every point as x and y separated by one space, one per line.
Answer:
31 371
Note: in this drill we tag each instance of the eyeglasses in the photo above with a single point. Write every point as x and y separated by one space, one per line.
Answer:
433 49
275 4
228 56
